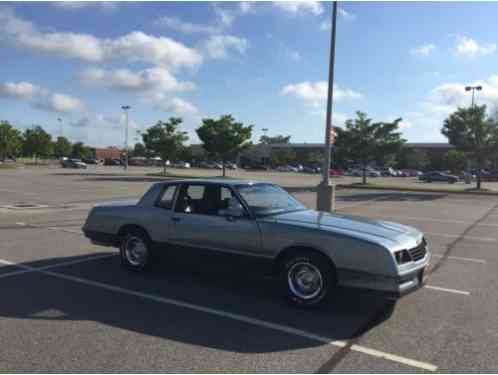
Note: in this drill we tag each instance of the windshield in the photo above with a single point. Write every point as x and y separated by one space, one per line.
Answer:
267 199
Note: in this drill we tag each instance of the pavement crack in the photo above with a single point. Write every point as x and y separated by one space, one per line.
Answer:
450 247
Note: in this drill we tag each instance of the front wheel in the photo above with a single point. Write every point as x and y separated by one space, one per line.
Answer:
308 279
135 250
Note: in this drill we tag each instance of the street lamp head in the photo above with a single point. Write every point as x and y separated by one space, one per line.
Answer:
478 88
125 107
468 88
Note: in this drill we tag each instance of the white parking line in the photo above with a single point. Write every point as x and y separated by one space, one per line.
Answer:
475 260
50 228
27 269
472 238
456 291
237 317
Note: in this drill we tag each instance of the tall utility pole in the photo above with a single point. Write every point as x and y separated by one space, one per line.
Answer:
126 108
476 132
473 89
326 191
60 126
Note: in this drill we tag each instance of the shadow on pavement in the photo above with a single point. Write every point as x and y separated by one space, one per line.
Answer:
222 286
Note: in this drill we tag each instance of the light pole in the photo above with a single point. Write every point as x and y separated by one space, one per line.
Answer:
60 125
326 191
126 108
476 132
473 89
265 130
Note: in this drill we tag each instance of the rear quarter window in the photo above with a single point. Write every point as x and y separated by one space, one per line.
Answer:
166 198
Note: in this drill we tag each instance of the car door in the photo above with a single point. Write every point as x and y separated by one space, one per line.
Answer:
197 221
158 218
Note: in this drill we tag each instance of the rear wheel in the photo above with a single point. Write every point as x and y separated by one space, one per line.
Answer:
136 250
308 280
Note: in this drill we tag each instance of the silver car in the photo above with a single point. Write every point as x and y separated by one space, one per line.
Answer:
312 252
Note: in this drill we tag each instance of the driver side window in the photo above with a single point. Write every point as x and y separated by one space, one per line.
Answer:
203 199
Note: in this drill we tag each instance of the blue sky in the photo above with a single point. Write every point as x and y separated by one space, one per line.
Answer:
265 63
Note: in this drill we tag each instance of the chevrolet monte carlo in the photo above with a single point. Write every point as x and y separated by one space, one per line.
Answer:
312 252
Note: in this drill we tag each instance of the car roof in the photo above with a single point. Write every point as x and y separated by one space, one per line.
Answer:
215 181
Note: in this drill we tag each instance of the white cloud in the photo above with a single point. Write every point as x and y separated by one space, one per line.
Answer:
315 93
41 98
295 55
443 100
345 14
447 97
21 90
74 5
152 79
133 47
470 48
424 50
218 46
178 106
245 6
299 7
177 24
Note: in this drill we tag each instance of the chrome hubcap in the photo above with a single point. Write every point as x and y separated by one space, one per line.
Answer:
135 251
305 280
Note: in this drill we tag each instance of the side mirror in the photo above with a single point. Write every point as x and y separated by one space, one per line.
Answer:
234 210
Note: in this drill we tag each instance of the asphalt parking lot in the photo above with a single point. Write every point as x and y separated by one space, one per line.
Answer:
68 306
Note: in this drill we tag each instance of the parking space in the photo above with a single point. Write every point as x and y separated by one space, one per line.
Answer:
68 305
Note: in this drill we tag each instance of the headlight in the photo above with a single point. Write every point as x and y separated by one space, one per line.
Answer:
402 257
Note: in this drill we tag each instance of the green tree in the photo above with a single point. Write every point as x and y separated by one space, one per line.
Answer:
224 137
10 140
365 141
62 147
412 159
139 150
283 156
165 139
314 158
37 142
185 154
80 151
274 140
455 160
472 131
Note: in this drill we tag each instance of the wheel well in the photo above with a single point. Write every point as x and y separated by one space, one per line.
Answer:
130 228
278 262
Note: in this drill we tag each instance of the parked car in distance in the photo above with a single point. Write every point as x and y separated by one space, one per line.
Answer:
336 172
256 167
373 173
112 162
438 177
181 165
307 169
90 161
230 165
387 172
73 163
311 252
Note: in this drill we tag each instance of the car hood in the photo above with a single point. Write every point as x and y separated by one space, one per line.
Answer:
382 232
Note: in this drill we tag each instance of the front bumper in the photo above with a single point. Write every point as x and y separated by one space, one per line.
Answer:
392 287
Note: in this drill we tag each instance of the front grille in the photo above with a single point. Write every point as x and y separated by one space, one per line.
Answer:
418 252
